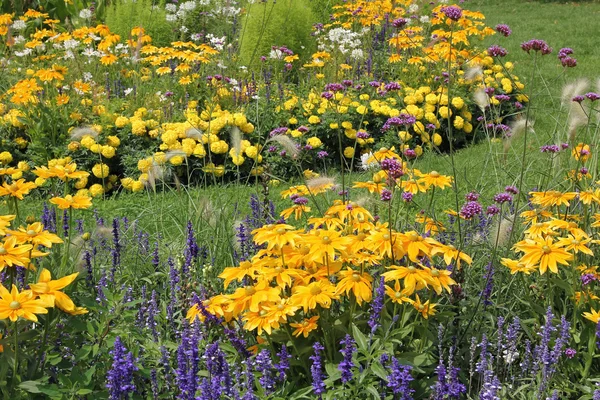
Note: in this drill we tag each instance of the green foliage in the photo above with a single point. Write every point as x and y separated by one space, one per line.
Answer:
284 23
123 15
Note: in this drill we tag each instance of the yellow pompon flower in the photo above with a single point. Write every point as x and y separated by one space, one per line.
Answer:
435 179
14 304
229 274
49 290
320 292
12 254
277 235
426 309
414 278
544 252
593 316
451 253
36 235
359 284
5 223
72 202
397 294
17 189
305 327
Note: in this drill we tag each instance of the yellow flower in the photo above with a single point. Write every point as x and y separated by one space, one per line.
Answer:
277 235
305 327
359 284
49 290
543 252
12 254
320 292
593 316
72 202
435 179
17 189
100 170
414 278
426 309
396 294
36 235
14 305
349 152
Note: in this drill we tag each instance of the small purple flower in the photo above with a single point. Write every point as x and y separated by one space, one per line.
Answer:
410 153
322 154
399 23
407 196
496 51
503 29
570 353
511 189
386 195
301 201
452 12
503 198
550 148
536 45
362 135
592 96
471 209
472 196
586 279
284 363
377 305
327 95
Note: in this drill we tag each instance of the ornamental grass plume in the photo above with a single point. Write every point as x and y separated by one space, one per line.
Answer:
79 133
516 129
577 114
288 144
194 133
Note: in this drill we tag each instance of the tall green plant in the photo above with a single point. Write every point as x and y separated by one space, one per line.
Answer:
123 15
283 23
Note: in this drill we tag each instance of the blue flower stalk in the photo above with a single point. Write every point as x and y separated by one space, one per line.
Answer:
316 370
346 365
119 379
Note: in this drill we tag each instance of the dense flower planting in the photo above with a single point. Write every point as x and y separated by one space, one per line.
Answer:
395 282
132 113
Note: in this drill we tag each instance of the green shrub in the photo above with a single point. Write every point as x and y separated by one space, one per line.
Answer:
284 23
123 15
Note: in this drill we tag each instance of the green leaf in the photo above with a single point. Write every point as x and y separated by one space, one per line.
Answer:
30 386
84 391
374 393
361 339
379 370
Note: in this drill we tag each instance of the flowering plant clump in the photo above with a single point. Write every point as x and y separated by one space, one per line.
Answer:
134 114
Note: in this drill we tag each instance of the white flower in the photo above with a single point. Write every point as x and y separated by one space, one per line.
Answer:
171 17
68 55
172 8
413 8
188 6
86 13
424 19
357 54
87 76
23 53
128 91
19 24
71 44
19 39
364 162
276 54
184 29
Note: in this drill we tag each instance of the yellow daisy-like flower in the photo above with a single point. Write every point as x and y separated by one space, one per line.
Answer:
593 316
305 327
543 253
72 202
12 254
14 305
357 283
49 290
320 292
277 235
17 189
36 235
